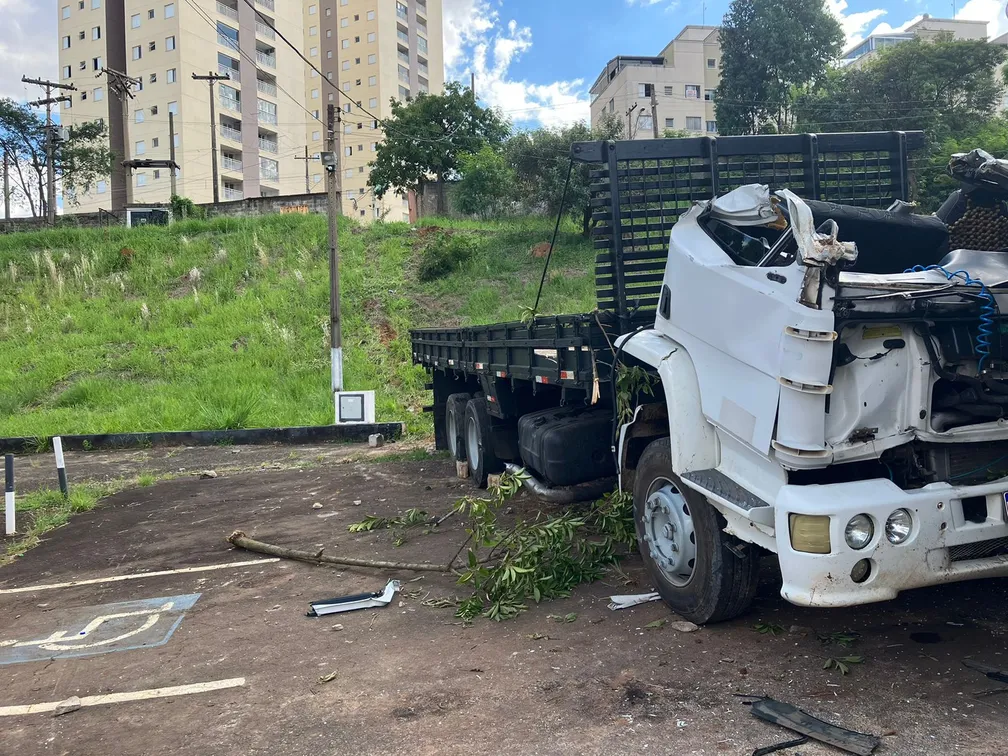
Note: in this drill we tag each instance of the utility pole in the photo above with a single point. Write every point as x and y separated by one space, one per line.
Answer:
306 158
630 111
50 144
6 189
171 152
332 165
654 111
121 86
472 84
212 78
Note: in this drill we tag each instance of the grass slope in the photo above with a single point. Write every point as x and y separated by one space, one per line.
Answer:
224 324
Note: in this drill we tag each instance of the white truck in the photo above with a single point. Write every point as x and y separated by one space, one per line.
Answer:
827 383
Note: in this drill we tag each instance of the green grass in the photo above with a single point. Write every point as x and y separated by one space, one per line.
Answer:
97 340
45 510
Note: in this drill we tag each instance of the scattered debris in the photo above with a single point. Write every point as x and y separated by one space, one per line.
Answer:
357 601
992 673
780 746
655 625
684 626
625 602
337 628
562 617
462 470
768 628
317 505
376 440
356 502
208 474
493 481
327 678
786 715
799 630
65 707
842 663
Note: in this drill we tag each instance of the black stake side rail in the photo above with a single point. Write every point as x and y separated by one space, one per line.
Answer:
567 350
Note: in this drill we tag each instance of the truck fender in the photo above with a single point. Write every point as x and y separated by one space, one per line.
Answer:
693 438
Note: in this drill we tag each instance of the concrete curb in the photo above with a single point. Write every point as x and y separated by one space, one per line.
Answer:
251 436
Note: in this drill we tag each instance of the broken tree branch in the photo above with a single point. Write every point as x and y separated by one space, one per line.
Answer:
242 541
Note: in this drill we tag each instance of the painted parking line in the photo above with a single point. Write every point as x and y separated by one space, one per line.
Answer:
88 631
138 576
117 698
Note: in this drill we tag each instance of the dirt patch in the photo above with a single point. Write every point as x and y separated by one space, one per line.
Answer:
386 333
540 250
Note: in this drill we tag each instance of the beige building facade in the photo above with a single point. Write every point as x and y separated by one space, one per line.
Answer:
926 28
270 111
679 83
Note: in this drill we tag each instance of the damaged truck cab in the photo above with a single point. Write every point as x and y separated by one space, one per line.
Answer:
835 388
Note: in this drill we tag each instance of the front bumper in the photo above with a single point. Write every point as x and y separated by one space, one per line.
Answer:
943 547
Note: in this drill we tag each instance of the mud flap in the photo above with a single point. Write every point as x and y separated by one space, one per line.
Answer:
793 718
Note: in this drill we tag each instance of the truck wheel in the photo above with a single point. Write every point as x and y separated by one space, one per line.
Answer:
455 425
695 565
479 442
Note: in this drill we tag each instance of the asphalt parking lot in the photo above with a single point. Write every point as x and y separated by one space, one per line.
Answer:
215 653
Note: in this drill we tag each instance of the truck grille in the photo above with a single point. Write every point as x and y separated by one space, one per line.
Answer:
970 464
980 550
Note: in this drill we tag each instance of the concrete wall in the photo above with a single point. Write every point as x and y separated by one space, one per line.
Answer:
255 206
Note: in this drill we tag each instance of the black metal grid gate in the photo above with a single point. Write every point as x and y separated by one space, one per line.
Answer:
657 180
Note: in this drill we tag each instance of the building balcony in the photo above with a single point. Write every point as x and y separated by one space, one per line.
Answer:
266 59
228 71
422 68
229 132
266 88
227 10
266 4
267 118
224 39
403 36
403 57
230 103
232 164
269 174
233 194
401 13
265 30
268 145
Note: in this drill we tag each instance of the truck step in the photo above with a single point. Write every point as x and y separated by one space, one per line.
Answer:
723 487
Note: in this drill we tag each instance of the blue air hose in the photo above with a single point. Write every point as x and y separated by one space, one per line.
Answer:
987 312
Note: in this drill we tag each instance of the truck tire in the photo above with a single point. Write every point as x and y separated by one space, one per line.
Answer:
696 566
479 442
455 409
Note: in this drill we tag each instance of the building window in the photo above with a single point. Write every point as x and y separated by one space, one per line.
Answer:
141 148
169 42
372 81
644 123
328 33
348 173
83 96
139 115
343 2
178 141
357 82
712 127
692 91
95 4
370 15
66 11
314 94
404 94
153 78
344 22
66 72
373 102
711 62
612 105
372 59
95 32
151 46
371 37
374 146
708 95
155 142
150 14
141 179
356 61
328 54
328 11
173 107
694 123
345 44
348 129
312 10
329 76
99 94
316 136
644 90
154 111
157 175
137 52
96 63
171 76
102 187
135 21
347 151
66 43
421 44
169 10
83 65
312 31
346 65
313 52
81 35
670 91
670 123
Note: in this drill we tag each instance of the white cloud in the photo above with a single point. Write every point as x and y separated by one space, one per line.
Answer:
853 24
885 28
477 41
991 11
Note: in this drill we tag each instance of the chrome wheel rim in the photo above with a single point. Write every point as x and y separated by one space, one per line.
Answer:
472 443
669 536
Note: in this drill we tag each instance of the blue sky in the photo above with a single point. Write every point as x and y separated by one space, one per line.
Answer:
535 59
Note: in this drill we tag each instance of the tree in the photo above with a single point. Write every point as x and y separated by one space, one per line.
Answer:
425 137
79 162
486 185
541 159
932 182
771 52
944 87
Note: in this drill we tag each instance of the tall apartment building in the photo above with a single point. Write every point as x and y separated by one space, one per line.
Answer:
273 106
926 28
682 79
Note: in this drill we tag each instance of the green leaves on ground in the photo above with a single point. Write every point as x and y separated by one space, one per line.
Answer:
768 628
538 559
407 519
843 663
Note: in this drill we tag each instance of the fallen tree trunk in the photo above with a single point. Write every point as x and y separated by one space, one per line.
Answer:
242 541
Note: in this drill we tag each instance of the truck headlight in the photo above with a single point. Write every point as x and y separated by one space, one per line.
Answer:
859 531
810 533
898 526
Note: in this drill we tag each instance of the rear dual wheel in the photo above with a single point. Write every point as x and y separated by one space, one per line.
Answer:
455 425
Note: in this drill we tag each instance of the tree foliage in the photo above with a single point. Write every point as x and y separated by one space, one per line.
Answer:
79 162
932 182
541 159
425 137
487 184
944 87
771 52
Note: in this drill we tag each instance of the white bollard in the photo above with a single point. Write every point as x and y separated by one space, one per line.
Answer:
60 466
9 492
